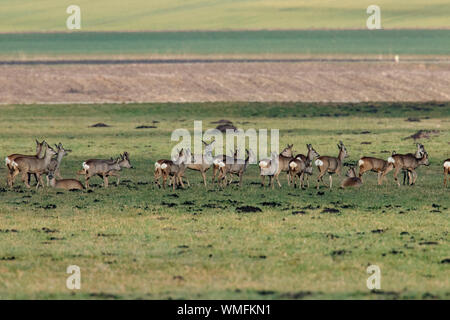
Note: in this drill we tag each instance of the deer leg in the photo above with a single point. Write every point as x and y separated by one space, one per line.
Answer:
288 178
214 173
271 182
164 176
241 174
204 177
302 185
105 180
331 181
278 181
25 179
263 178
320 178
41 182
445 176
13 177
397 169
180 178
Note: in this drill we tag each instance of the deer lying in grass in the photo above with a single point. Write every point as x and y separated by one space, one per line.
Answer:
237 167
99 167
407 162
379 166
301 165
202 162
9 159
66 184
27 165
174 169
352 180
331 164
446 170
282 164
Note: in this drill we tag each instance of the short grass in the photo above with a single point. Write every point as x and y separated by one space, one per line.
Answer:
136 241
137 15
289 42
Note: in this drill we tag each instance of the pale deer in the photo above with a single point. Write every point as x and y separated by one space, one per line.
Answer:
379 166
407 162
237 167
296 169
351 179
99 167
446 170
27 165
202 162
66 184
331 165
281 165
9 159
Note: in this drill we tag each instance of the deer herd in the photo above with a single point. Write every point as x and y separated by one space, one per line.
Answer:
298 169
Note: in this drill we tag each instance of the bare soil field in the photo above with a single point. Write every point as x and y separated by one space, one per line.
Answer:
226 81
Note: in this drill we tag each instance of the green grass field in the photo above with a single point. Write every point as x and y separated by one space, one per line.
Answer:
138 15
313 42
136 241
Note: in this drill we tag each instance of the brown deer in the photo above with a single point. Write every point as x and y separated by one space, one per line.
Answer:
352 180
419 153
223 158
101 168
9 159
376 165
175 169
331 164
301 166
280 164
237 167
407 162
202 162
27 165
123 163
446 170
56 162
66 184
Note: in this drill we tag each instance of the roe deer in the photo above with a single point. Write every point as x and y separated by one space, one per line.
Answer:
296 168
331 164
202 162
237 167
376 165
123 163
9 159
66 184
101 168
407 162
281 164
223 158
446 170
56 162
26 165
352 180
419 153
175 169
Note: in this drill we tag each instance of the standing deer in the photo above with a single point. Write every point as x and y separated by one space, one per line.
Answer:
237 167
66 184
27 165
9 159
331 164
223 158
175 169
352 180
283 165
301 165
99 167
123 163
202 162
379 166
407 162
419 153
56 162
446 170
